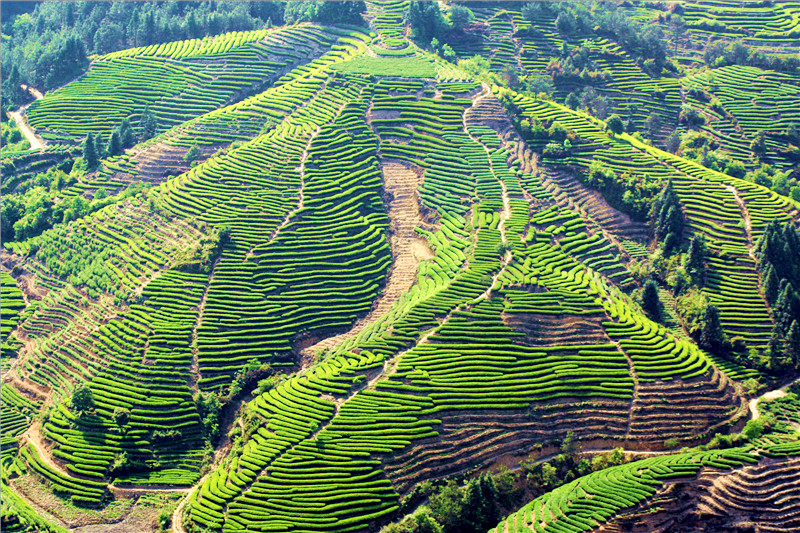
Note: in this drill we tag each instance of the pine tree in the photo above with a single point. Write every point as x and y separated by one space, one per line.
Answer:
89 152
712 337
696 261
651 303
126 134
572 101
793 342
98 146
770 284
114 146
148 124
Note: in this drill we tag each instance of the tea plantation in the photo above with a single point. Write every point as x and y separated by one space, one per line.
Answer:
404 266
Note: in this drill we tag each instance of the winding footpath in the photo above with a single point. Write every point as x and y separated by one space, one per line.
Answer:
771 395
19 117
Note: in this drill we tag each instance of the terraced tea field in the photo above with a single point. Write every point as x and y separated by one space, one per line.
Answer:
342 271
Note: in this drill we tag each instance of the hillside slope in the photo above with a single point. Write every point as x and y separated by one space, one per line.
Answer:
338 266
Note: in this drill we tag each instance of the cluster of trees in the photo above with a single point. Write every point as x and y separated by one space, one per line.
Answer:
208 408
11 139
623 191
723 53
38 206
93 150
200 257
427 21
48 47
667 219
645 42
698 146
775 180
576 66
342 12
590 101
778 253
478 504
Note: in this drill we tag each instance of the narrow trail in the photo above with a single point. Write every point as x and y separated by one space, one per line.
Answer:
302 171
748 224
36 142
635 397
195 370
769 395
506 213
34 437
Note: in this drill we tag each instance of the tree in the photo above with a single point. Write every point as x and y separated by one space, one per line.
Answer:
565 22
193 154
712 337
114 146
480 510
572 101
460 16
651 303
615 125
653 124
89 152
82 400
121 416
148 124
696 261
759 146
447 507
98 146
770 284
673 142
426 20
793 342
126 135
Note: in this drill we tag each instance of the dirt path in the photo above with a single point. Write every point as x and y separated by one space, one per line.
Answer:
19 117
506 213
34 437
408 249
635 377
770 395
195 370
748 225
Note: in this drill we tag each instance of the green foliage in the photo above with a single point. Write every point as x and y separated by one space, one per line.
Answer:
208 408
50 46
712 336
615 125
82 400
720 53
572 101
343 12
668 219
192 154
651 302
460 16
691 116
121 416
11 138
624 192
696 258
90 156
753 429
114 146
148 124
426 20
